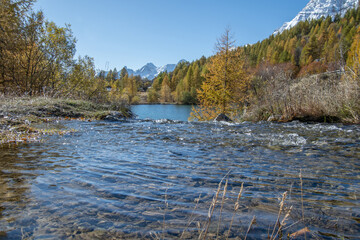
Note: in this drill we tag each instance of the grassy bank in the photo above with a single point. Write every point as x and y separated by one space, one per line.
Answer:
327 97
21 116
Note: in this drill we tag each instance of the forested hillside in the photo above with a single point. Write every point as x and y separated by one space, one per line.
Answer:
308 48
311 47
286 67
180 85
283 69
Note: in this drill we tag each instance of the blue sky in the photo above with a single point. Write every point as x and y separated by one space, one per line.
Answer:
134 32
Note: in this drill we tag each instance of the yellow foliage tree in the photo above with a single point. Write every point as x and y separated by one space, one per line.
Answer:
165 90
353 60
224 89
116 89
129 93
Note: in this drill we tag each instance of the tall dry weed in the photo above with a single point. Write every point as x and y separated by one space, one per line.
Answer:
322 97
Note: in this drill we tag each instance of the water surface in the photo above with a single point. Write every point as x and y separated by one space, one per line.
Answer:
140 179
159 111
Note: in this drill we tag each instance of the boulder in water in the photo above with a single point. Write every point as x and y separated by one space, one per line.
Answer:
114 116
222 118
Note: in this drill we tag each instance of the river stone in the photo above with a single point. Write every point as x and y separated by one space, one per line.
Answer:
114 116
222 118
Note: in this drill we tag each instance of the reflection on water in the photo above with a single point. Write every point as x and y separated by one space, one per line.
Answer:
136 178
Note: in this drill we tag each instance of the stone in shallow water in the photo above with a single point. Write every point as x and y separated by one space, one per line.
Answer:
114 116
222 117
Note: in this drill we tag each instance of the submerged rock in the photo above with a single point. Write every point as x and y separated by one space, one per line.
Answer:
222 118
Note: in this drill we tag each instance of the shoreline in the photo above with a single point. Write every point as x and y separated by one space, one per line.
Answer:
277 118
20 117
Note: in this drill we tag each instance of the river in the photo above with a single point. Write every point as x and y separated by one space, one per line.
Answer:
156 176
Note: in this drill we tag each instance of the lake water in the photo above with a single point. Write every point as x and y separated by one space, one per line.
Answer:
142 178
157 112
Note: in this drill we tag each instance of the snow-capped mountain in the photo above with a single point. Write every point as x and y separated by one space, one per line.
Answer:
167 68
316 9
150 71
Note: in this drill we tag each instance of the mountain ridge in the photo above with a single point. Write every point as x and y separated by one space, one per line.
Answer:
149 70
316 9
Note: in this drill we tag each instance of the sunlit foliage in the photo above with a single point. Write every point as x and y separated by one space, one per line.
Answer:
224 89
354 56
37 57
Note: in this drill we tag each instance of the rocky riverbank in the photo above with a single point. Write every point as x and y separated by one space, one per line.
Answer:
23 119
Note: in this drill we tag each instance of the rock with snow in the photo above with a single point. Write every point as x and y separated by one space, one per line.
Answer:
316 9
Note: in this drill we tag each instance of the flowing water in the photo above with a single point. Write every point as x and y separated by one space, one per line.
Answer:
142 178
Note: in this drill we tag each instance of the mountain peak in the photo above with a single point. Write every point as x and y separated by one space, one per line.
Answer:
316 9
150 71
150 64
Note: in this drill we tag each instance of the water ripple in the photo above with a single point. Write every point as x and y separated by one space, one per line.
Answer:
122 179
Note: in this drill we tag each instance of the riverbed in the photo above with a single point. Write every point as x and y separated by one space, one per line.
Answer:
156 176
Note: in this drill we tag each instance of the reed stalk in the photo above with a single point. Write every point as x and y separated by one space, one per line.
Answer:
164 217
191 217
302 198
283 222
211 210
236 207
221 208
253 221
279 214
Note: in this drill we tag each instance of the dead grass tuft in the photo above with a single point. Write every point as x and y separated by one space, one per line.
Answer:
328 97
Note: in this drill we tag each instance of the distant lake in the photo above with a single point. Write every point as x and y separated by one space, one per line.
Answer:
161 111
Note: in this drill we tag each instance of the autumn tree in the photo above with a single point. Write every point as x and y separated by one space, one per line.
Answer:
353 60
12 16
35 54
129 93
165 90
152 95
115 75
109 76
123 72
226 83
81 82
37 57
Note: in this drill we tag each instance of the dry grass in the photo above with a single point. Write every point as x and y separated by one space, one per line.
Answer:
18 115
216 208
328 97
236 208
57 107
